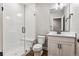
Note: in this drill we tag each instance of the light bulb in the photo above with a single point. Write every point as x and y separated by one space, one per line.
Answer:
19 14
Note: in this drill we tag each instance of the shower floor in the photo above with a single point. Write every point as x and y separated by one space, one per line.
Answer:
31 53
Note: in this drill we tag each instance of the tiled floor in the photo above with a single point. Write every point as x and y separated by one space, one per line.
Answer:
31 53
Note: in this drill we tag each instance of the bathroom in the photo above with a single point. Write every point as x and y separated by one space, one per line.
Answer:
26 29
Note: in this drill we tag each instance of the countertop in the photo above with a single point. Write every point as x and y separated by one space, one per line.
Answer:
63 34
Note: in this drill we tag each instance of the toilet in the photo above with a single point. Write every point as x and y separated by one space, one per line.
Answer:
38 48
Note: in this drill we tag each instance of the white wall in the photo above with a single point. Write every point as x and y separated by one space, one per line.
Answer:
42 18
74 24
1 30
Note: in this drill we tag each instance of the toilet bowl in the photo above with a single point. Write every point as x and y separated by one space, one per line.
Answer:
38 48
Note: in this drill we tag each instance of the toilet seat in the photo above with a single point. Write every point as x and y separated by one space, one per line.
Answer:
37 47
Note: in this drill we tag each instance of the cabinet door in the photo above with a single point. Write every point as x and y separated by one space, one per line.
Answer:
53 49
67 49
77 50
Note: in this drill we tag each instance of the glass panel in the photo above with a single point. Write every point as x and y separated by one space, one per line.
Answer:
1 30
30 25
13 23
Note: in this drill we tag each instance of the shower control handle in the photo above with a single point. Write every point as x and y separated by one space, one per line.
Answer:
78 40
23 29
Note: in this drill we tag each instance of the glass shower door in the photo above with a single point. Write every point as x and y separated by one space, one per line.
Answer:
13 29
1 16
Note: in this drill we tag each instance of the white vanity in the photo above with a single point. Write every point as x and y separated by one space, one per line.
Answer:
61 44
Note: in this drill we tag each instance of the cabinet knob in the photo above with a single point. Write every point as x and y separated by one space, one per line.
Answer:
58 46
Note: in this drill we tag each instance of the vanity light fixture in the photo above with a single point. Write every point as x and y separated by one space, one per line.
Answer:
59 5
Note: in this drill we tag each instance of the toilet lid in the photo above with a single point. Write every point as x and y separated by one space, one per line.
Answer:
37 47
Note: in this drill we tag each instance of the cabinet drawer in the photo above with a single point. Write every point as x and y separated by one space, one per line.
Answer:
63 39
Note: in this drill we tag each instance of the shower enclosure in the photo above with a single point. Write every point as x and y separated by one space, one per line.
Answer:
18 28
13 29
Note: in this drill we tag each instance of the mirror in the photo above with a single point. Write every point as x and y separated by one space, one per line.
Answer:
59 17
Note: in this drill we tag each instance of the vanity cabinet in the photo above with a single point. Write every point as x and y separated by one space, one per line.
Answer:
67 49
61 46
53 48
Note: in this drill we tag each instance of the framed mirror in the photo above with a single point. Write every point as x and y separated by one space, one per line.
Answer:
59 17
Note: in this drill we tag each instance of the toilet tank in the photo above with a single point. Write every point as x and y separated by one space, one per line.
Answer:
41 39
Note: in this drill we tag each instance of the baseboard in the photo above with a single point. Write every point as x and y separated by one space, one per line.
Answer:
1 53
